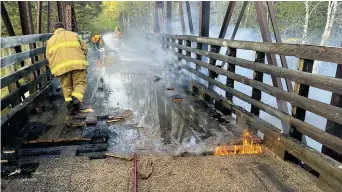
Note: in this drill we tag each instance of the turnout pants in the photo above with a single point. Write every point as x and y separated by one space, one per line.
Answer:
73 83
97 45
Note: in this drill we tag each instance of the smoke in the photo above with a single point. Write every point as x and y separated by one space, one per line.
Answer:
136 48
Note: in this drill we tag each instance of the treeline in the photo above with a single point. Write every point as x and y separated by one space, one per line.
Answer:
313 22
86 13
304 21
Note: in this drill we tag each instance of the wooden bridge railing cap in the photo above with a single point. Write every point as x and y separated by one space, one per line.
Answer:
313 52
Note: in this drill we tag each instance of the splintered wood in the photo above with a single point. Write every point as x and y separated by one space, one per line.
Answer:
116 119
127 158
4 161
77 123
127 114
87 110
8 151
58 140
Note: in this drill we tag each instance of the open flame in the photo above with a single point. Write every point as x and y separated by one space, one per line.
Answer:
247 147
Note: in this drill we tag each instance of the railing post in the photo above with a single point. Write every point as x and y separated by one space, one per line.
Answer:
180 51
181 16
229 81
173 49
188 53
304 65
163 45
191 27
204 19
333 127
167 40
258 76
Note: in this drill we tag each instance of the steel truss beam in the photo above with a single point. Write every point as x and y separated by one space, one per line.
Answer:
191 26
181 16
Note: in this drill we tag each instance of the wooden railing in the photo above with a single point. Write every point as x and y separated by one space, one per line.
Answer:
24 75
285 145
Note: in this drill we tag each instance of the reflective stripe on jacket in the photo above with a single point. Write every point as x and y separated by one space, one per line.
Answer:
66 52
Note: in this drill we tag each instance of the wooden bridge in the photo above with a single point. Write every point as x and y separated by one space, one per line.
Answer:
172 139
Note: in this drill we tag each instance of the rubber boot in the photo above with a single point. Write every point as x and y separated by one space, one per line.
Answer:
76 105
69 113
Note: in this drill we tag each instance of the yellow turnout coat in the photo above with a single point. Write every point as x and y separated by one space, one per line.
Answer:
66 52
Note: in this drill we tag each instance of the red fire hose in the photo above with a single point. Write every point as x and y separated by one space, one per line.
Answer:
135 173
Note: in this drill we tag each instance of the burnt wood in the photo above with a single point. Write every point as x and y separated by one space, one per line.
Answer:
8 79
8 99
16 58
32 98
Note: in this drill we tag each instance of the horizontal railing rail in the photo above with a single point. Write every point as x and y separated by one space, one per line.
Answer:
7 42
319 81
329 169
313 52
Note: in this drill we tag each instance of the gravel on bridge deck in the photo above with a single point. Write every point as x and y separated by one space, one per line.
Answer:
138 88
249 173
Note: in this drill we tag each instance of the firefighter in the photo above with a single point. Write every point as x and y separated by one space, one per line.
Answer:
118 36
96 40
66 53
117 33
